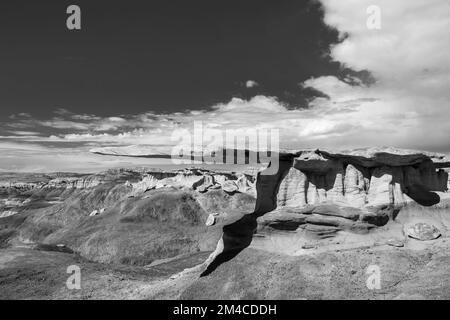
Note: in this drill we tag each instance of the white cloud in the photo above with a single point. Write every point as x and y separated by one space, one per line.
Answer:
25 133
251 84
407 106
408 57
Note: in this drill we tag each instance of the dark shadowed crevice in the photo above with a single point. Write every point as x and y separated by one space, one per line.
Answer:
238 235
422 195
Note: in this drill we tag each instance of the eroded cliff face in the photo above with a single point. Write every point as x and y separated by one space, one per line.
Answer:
28 182
198 180
316 196
193 179
357 181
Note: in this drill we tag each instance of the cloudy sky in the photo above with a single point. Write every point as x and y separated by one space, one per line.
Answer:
137 71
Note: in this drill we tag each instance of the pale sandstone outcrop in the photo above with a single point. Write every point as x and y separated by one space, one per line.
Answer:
322 194
199 180
73 182
292 190
229 186
245 184
355 186
362 178
380 189
206 183
8 213
336 193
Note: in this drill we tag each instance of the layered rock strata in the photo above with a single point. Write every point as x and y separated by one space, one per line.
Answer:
322 193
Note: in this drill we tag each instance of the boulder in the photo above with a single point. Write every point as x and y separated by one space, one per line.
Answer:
93 213
395 243
210 220
8 213
423 231
244 184
229 186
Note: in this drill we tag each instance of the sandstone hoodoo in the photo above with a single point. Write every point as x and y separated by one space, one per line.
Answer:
319 199
368 177
323 193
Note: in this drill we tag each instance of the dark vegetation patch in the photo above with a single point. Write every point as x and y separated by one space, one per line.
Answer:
5 235
174 207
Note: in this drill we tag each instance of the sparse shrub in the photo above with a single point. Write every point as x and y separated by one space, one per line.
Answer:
5 235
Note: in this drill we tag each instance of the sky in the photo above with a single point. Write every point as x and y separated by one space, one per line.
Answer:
139 70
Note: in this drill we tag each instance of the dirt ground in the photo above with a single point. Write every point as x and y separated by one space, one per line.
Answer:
404 273
35 274
413 272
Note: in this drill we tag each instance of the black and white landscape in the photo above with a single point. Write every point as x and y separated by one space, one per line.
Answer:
225 150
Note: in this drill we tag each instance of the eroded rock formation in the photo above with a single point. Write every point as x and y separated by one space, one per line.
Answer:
196 179
357 181
317 194
322 193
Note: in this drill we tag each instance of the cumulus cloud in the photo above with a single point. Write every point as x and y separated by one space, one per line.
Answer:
251 84
259 112
408 105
